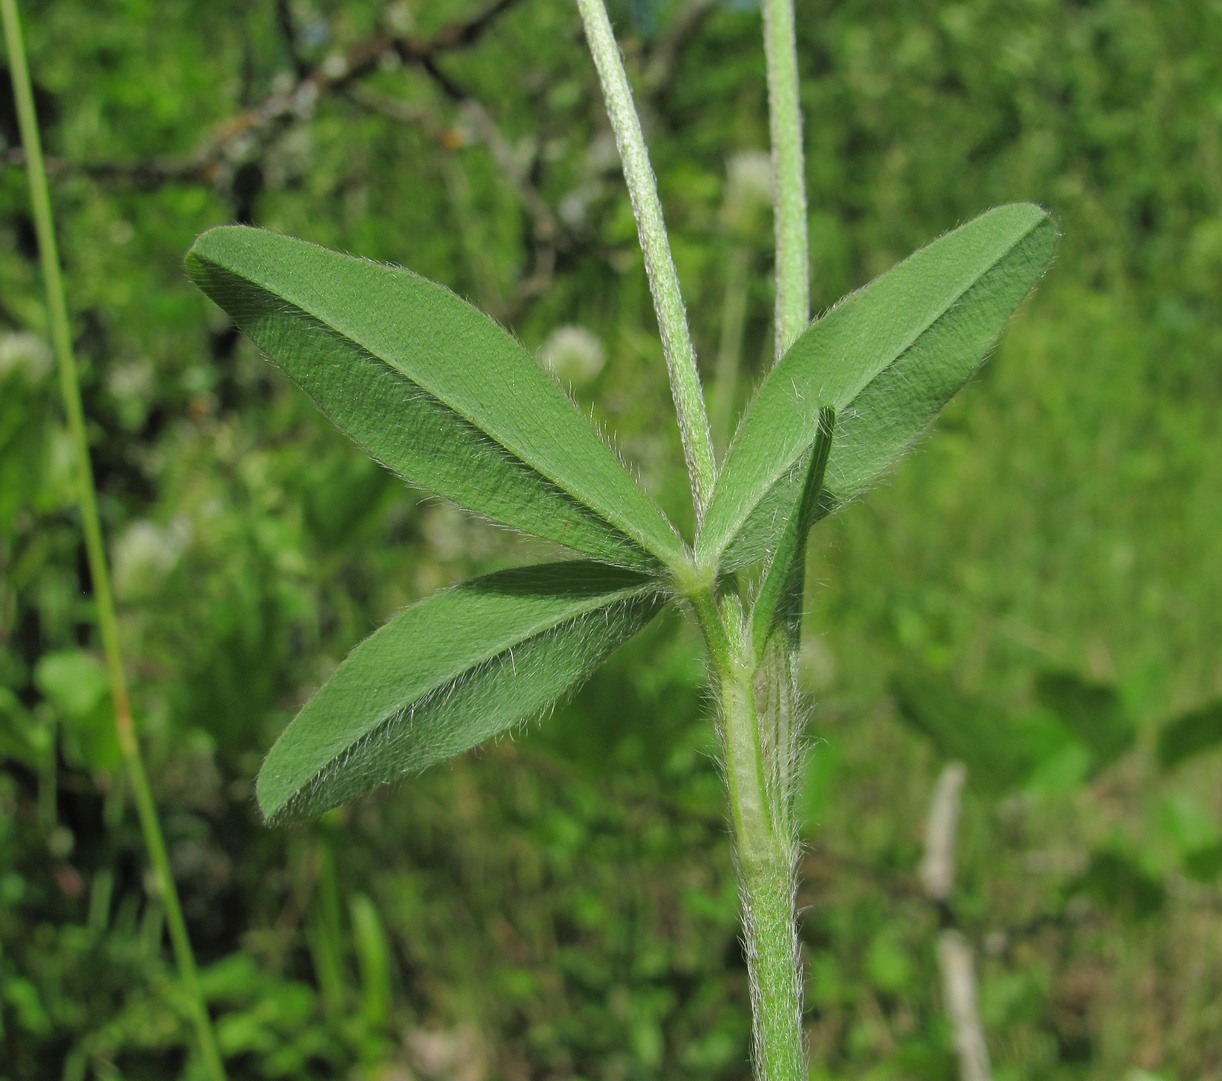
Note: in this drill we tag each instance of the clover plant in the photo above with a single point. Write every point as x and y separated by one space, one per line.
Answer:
440 394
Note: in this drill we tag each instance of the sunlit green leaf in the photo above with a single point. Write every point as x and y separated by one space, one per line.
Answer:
886 358
434 390
449 673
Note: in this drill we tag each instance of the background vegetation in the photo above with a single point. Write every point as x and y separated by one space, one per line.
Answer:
1036 592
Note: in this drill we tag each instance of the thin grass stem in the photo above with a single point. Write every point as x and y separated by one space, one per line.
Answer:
57 312
769 887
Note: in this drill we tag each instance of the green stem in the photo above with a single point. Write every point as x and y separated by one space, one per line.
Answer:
758 757
769 888
108 625
769 894
770 936
767 858
788 176
659 262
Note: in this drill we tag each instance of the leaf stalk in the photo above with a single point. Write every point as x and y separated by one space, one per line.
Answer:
788 174
659 262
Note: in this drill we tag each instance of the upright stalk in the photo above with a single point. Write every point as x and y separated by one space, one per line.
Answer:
757 698
57 311
758 768
769 883
768 865
788 178
659 263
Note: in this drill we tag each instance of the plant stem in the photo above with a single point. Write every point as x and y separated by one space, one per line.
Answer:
788 177
57 310
659 262
758 758
759 753
769 886
771 941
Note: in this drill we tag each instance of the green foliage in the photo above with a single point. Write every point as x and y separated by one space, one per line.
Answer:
1065 518
434 390
422 381
1093 712
75 688
779 599
886 359
1190 734
449 401
447 674
1078 729
966 730
1116 878
268 1023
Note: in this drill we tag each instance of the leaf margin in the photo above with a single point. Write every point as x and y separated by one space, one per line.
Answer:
292 782
747 536
240 264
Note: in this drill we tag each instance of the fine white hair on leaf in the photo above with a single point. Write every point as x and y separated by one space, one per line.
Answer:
502 691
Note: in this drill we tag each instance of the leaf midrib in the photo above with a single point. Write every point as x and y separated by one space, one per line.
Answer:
846 411
604 512
540 629
580 506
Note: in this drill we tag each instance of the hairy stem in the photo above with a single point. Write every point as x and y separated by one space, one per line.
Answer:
57 310
769 893
759 756
770 936
757 774
659 262
788 177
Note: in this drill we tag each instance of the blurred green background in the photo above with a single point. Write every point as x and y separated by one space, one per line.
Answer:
1036 592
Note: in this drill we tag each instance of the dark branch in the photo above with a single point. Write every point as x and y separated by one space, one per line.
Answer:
247 134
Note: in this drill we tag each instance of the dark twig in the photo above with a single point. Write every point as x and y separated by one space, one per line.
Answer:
247 134
286 23
664 57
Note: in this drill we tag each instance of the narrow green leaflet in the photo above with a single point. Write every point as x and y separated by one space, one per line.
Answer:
779 600
434 390
450 672
886 358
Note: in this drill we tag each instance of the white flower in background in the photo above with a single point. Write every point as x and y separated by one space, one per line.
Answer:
573 354
133 379
748 187
145 554
26 353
